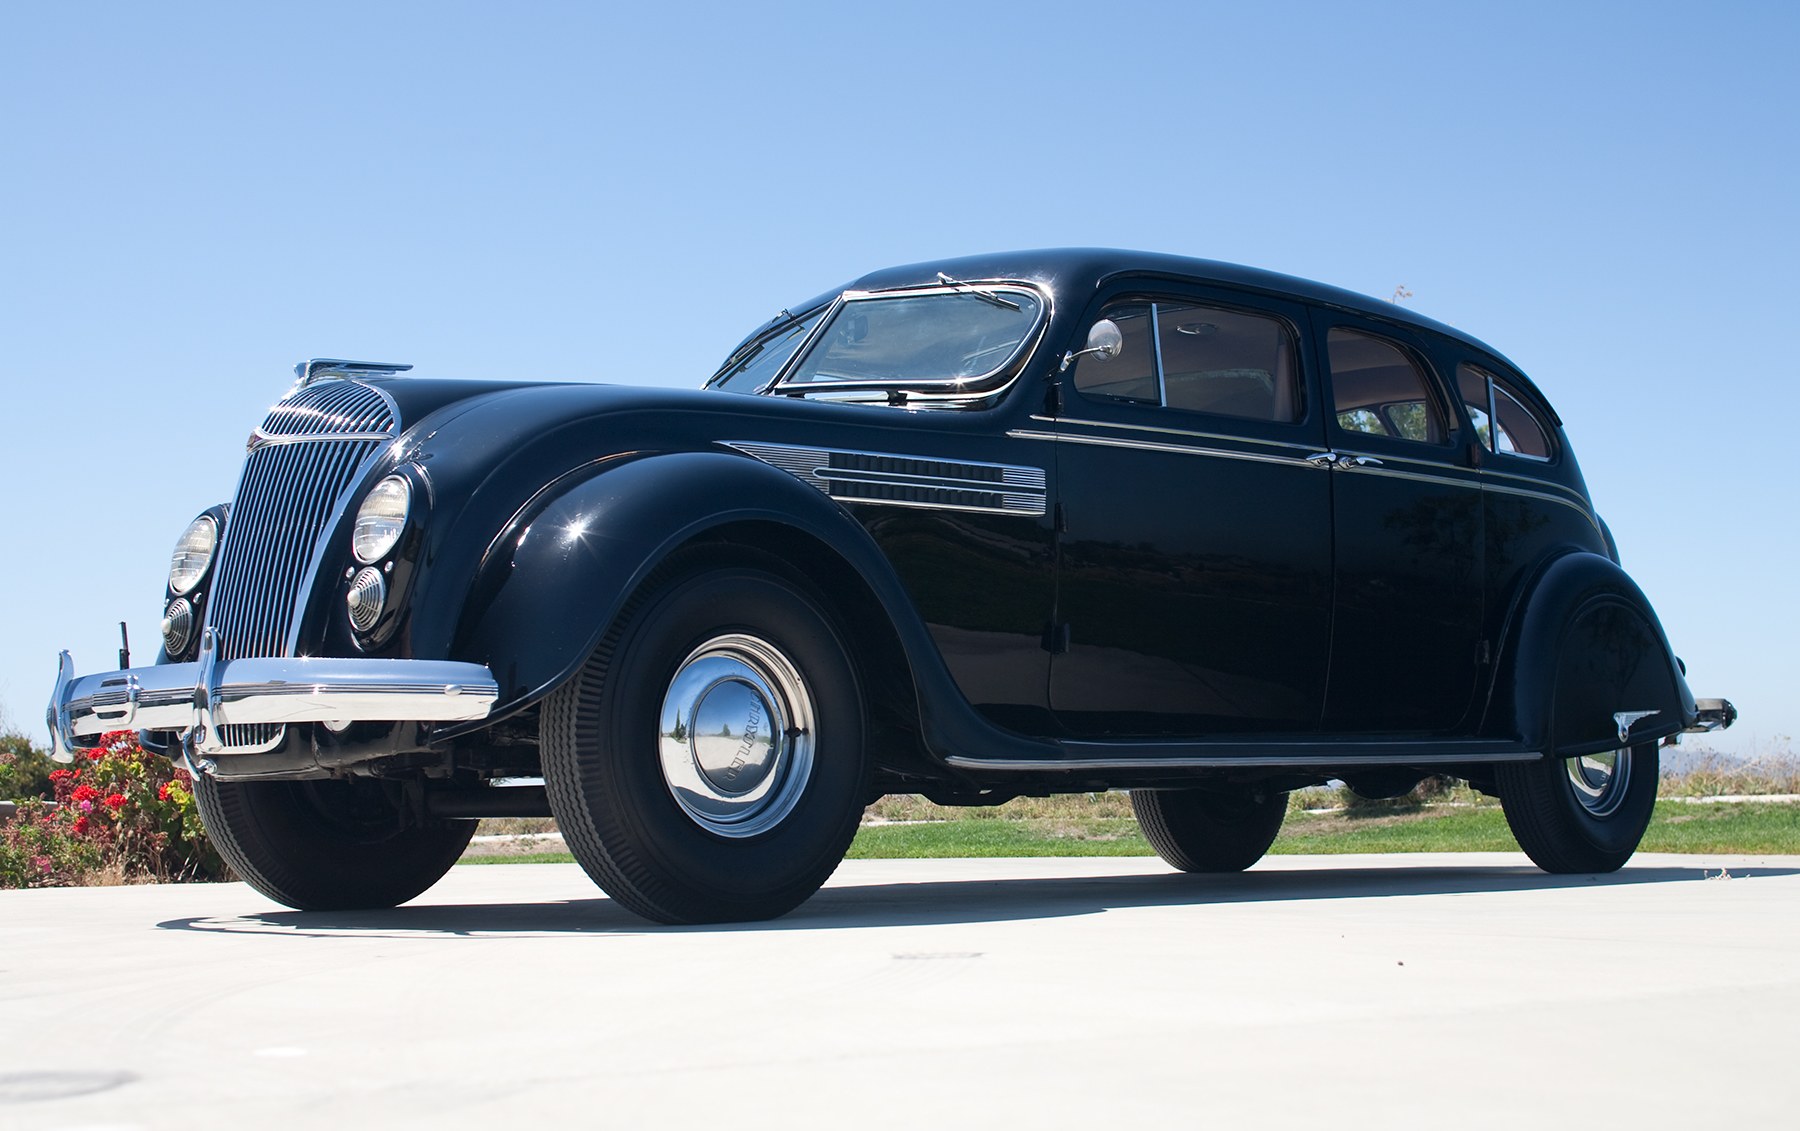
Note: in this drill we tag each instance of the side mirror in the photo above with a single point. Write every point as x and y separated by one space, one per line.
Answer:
1104 341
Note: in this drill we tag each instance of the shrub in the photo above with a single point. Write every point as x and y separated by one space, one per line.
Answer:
24 769
121 814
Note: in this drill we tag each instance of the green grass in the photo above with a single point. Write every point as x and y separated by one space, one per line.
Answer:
1746 827
1749 827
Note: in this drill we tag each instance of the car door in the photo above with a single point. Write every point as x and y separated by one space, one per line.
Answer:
1407 516
1194 522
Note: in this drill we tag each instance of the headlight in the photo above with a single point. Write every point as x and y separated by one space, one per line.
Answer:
193 554
381 519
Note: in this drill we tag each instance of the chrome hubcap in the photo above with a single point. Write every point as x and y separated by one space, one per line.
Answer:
1599 780
736 736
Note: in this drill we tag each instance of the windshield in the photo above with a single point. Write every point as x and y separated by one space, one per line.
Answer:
953 335
755 363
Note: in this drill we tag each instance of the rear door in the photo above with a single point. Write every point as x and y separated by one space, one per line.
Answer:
1407 514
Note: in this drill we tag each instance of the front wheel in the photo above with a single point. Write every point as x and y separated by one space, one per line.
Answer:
1581 815
1210 830
707 763
327 845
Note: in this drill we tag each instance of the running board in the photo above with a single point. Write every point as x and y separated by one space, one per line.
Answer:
1081 757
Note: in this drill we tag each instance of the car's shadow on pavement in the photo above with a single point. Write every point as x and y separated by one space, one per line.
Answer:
943 902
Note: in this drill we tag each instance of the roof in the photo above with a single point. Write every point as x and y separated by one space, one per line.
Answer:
1072 273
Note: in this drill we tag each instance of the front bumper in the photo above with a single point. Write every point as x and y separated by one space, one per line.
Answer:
200 697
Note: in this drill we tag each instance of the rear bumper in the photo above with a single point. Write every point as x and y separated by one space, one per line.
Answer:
200 697
1714 714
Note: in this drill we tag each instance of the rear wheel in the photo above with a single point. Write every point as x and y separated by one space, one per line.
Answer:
1581 815
1210 830
327 845
707 763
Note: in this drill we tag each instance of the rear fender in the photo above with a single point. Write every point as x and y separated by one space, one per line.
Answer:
1586 666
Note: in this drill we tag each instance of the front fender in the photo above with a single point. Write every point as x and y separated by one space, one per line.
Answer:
554 580
1585 666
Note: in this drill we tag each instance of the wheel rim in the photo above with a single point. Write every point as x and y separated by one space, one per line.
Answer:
736 735
1598 781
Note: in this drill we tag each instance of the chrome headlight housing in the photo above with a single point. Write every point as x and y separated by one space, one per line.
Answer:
193 554
381 519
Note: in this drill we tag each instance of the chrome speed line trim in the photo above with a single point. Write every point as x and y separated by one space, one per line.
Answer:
1235 761
1017 490
1151 446
1175 432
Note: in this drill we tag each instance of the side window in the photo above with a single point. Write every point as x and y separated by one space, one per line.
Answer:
1198 359
1377 389
1518 431
1131 376
756 363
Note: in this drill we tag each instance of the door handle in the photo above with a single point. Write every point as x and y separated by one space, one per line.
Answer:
1347 460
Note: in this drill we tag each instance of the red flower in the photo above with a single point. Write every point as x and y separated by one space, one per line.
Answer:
81 824
84 793
115 801
64 775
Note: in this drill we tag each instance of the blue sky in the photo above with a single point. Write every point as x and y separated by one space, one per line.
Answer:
197 196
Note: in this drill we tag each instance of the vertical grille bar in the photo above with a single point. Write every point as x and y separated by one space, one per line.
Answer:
306 455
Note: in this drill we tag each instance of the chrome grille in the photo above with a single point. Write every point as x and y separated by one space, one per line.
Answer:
302 460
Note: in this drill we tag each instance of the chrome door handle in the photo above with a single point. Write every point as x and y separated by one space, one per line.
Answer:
1322 459
1344 460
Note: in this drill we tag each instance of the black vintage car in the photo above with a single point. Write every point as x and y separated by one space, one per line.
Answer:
1015 524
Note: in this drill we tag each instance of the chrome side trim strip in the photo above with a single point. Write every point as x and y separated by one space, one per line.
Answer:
1234 761
915 481
1173 432
1151 446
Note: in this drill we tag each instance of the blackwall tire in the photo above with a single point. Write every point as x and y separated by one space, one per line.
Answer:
707 763
1210 830
1576 816
326 846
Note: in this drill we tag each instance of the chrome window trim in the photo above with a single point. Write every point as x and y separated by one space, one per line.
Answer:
924 389
1156 359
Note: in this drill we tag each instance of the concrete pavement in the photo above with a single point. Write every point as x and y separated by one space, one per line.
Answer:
1467 991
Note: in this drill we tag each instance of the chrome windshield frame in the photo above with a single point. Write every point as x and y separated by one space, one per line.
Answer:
958 389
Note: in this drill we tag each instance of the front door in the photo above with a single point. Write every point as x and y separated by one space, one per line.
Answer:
1194 535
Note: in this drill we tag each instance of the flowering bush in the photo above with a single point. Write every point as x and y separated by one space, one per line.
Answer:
121 814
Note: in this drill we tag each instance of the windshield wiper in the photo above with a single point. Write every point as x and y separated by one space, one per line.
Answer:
979 292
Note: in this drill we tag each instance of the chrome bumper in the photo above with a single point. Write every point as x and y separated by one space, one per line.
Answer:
200 697
1715 714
